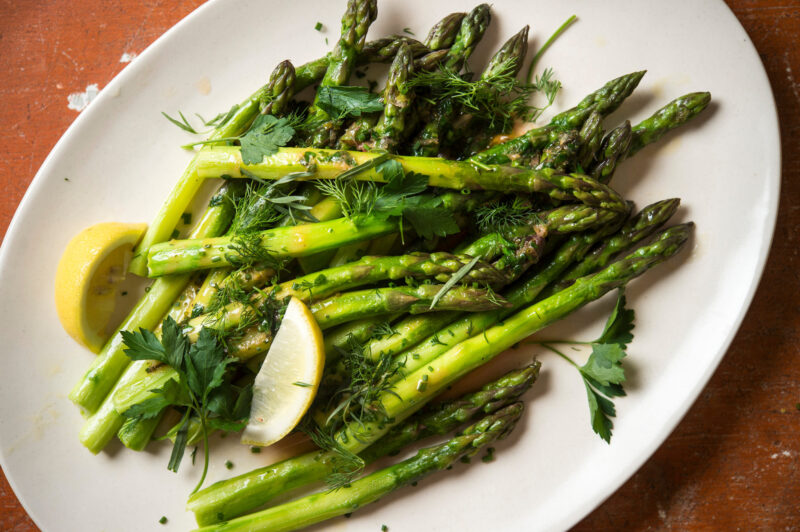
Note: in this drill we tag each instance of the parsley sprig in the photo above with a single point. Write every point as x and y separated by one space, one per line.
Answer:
201 388
401 195
603 374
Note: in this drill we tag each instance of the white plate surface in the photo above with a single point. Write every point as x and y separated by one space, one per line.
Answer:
122 158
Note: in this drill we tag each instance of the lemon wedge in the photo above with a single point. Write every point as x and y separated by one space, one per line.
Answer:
288 379
92 266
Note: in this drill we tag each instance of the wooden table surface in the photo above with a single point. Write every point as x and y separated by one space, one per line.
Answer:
731 464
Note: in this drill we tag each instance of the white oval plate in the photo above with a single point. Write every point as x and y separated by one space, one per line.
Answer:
122 157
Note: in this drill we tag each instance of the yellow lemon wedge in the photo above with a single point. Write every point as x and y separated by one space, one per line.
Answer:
92 266
288 379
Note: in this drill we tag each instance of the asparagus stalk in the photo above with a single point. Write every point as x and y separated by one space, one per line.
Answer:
273 95
458 175
322 506
416 300
397 102
355 22
251 490
180 256
109 364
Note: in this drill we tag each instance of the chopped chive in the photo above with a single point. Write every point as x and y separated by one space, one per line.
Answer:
408 30
163 520
302 384
318 26
228 464
255 450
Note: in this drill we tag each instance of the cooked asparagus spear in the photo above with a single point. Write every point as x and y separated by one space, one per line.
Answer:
355 22
322 506
458 175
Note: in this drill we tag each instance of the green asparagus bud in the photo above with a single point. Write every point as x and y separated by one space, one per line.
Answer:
443 33
355 22
510 56
429 61
397 101
562 154
472 28
672 115
281 84
615 147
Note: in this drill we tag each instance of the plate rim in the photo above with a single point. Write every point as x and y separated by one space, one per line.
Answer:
659 436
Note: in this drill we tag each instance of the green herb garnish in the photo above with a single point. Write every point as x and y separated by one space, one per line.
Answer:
201 389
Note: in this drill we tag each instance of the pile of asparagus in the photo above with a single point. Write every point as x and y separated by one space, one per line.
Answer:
508 238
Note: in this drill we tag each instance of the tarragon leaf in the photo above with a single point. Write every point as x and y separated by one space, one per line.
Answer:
343 101
265 136
182 123
456 277
178 448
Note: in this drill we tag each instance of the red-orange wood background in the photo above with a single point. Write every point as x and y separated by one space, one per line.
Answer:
733 461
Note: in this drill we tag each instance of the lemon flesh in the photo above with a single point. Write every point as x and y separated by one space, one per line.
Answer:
288 379
92 266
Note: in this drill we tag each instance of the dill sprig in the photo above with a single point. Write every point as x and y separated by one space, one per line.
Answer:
497 99
369 378
346 466
502 214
